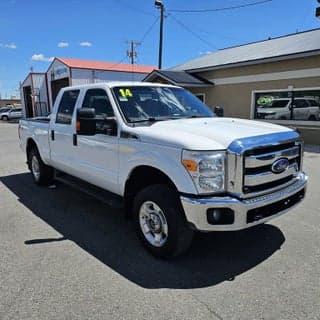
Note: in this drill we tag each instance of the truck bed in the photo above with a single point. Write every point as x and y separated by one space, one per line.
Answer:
36 129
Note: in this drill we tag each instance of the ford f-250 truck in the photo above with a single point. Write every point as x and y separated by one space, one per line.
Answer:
176 166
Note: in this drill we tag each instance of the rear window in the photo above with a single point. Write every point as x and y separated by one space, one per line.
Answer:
313 103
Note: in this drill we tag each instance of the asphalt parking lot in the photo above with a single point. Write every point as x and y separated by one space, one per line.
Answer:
64 255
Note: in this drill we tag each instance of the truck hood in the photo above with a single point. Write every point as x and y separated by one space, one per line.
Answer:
203 133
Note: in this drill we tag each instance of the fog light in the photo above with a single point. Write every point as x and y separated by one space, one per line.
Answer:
216 214
220 216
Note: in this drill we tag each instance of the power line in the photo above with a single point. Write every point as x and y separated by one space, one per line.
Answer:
211 45
119 62
132 8
221 9
149 29
132 54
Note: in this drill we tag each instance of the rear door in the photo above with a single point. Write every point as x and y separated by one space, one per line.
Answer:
62 132
300 109
15 113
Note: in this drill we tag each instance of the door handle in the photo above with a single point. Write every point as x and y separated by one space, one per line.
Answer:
52 135
75 140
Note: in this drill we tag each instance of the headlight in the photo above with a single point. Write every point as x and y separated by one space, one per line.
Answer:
207 169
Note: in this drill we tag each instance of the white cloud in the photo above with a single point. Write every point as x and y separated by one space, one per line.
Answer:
8 45
41 57
85 44
63 44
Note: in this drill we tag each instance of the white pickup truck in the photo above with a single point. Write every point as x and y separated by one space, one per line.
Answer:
175 166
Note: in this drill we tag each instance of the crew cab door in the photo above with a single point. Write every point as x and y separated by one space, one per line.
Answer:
62 130
96 156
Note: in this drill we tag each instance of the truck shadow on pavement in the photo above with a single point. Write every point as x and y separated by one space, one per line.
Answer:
106 235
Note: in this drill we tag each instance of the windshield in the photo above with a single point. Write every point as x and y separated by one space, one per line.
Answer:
139 103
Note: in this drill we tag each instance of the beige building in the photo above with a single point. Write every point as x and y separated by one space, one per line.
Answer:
10 102
276 80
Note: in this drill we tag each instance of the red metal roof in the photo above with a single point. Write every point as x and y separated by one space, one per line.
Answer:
104 65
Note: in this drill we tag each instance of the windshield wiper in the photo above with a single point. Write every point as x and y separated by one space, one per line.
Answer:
155 119
195 116
150 119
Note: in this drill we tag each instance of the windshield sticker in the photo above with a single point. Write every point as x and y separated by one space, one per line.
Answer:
125 92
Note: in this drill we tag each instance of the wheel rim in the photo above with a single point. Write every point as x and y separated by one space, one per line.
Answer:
35 168
153 224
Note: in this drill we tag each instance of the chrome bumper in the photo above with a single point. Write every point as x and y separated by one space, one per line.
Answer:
196 208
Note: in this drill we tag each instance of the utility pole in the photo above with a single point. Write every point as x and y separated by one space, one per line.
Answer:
132 53
318 11
159 5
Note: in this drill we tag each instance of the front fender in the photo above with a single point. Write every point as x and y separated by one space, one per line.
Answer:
167 162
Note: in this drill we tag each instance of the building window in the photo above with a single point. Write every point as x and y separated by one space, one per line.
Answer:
298 105
201 97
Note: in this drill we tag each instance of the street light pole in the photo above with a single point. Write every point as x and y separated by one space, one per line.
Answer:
318 11
159 5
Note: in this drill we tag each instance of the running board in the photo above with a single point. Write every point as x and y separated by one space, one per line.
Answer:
107 197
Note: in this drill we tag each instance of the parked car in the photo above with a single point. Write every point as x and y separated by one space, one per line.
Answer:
5 109
280 109
14 113
165 156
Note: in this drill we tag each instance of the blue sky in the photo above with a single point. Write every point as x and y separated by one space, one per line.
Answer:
32 32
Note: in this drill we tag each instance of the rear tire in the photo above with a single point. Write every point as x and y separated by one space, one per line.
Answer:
41 173
4 118
160 222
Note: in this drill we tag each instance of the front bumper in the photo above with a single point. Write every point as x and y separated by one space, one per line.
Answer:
248 212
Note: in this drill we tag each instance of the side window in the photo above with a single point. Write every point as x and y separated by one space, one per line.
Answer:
66 106
98 99
313 103
301 104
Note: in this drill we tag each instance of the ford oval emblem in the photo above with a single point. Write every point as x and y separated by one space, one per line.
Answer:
280 165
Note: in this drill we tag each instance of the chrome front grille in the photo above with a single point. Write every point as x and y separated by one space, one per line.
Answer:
257 163
250 161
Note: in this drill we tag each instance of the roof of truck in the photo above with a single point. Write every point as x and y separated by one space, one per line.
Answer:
112 84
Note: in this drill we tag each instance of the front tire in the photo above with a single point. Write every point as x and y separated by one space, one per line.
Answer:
4 118
160 222
41 173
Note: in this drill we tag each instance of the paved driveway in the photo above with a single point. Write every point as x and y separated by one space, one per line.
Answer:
64 255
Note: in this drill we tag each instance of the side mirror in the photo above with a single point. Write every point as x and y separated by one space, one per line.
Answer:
107 126
218 110
86 121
